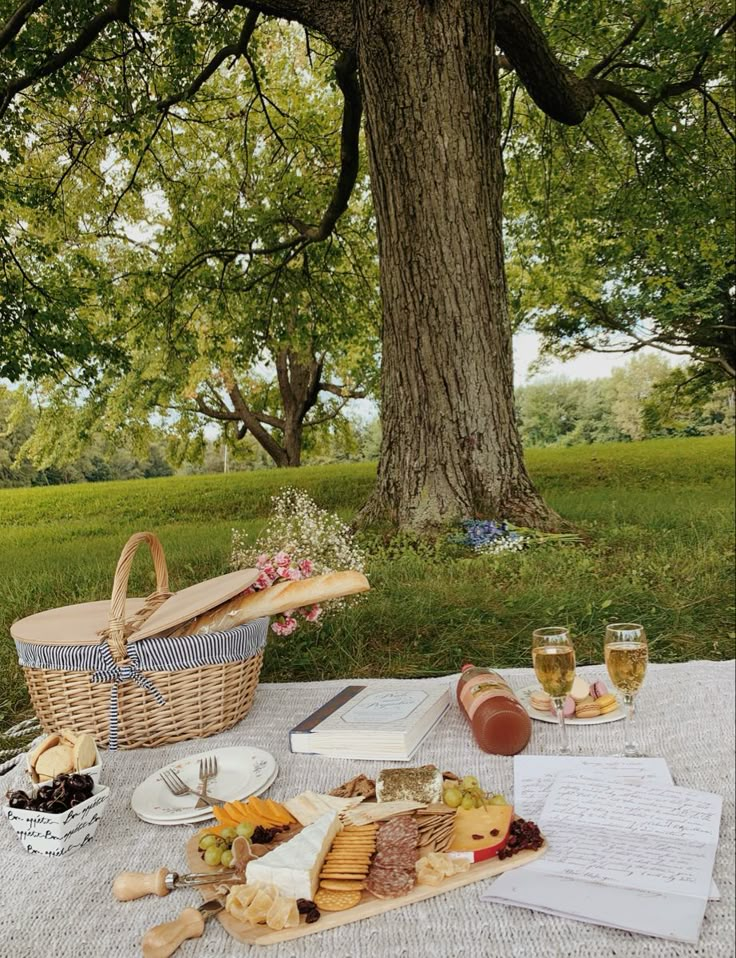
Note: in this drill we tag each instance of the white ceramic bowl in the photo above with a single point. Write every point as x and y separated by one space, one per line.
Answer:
54 835
93 772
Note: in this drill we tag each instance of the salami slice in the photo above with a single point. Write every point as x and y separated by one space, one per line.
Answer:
400 856
387 882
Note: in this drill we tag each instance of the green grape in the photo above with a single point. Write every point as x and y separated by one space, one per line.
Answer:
207 841
497 800
453 797
477 801
469 781
226 859
245 829
229 834
213 855
468 802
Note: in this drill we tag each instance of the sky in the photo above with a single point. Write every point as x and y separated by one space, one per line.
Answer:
585 366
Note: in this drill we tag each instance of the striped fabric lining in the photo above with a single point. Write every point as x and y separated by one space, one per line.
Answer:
153 655
149 655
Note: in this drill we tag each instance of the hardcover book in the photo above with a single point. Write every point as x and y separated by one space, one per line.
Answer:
382 722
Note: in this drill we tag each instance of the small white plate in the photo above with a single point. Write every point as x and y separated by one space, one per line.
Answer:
202 815
242 771
524 694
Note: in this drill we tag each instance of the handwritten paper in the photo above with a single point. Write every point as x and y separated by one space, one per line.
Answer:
534 775
632 856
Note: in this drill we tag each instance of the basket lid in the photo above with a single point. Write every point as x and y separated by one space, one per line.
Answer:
81 624
184 605
70 624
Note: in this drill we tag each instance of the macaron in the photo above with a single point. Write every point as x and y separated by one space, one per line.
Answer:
580 689
568 708
606 704
540 701
587 709
597 689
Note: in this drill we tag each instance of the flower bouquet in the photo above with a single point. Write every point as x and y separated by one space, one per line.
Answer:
300 541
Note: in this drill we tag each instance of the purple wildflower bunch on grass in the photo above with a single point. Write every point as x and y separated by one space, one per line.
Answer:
490 537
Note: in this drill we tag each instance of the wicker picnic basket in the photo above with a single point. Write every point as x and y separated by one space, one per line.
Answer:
124 680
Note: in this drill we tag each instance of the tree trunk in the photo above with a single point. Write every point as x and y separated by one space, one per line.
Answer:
451 447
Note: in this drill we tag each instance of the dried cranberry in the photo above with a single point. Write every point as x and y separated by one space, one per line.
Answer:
494 832
312 916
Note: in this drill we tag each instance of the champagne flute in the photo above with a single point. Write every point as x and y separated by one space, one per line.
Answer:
626 653
554 663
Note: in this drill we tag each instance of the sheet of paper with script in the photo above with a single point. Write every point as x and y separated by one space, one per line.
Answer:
637 857
534 776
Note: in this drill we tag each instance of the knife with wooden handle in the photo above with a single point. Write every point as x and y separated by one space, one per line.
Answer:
129 886
163 940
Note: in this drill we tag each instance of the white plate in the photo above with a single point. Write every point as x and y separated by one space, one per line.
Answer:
523 696
201 815
241 771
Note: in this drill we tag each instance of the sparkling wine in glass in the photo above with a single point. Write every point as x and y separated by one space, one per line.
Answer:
626 653
553 656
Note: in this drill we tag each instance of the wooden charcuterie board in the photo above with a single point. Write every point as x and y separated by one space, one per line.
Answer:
367 908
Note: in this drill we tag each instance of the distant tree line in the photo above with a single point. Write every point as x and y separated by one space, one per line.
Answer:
645 399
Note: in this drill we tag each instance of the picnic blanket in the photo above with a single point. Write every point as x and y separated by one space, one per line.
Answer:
64 906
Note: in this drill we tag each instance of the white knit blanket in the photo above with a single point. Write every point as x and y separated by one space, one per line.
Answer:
64 907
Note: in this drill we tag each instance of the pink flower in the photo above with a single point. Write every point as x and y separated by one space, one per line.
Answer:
261 560
306 566
293 575
270 571
285 627
281 559
262 582
314 613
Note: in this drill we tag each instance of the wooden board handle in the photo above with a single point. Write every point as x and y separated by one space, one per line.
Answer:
163 940
131 885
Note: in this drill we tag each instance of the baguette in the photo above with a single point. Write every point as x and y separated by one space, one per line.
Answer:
276 599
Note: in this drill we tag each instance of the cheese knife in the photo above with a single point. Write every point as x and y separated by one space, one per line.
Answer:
163 940
131 885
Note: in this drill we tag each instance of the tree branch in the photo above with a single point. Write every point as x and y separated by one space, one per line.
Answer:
619 48
559 92
347 80
234 50
250 420
118 11
342 391
17 20
331 19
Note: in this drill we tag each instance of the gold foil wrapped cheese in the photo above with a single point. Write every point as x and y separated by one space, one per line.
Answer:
423 784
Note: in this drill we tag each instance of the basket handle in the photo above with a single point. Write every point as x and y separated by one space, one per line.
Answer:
118 630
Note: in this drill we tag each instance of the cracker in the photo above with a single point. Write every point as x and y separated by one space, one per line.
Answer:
340 884
328 900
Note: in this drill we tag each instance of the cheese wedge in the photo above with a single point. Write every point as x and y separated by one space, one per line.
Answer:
294 866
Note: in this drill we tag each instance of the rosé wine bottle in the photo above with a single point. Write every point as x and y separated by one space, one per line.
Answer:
499 721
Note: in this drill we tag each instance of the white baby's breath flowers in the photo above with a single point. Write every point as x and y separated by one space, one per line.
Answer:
299 527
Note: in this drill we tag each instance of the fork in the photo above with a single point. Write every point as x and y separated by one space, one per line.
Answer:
177 787
207 770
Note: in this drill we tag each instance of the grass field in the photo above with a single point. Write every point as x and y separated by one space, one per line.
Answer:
657 519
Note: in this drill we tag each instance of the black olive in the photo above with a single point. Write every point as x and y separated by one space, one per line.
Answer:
17 794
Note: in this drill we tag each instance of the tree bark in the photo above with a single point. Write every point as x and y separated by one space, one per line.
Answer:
451 447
